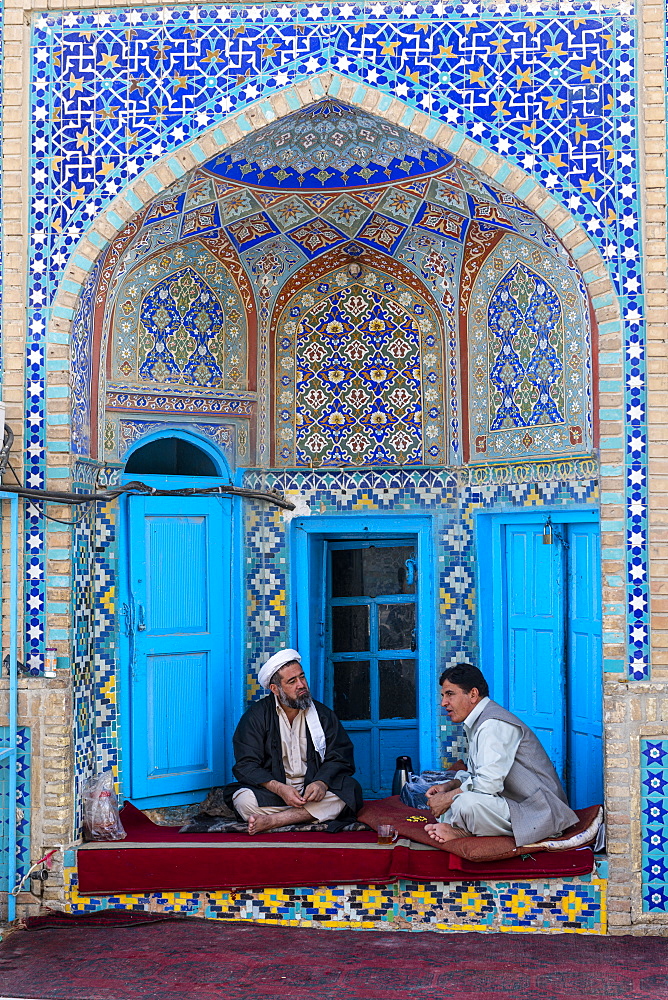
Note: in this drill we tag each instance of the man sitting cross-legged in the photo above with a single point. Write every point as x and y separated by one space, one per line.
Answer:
510 787
293 759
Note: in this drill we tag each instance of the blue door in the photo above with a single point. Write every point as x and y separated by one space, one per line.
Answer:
179 644
535 623
540 636
584 681
371 667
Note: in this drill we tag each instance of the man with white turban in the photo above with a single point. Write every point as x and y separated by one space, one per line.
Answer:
293 759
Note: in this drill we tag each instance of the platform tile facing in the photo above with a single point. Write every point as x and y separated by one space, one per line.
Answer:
576 905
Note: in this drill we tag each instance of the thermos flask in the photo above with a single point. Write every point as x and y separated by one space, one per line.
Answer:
404 766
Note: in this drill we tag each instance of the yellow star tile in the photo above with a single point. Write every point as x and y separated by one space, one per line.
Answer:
75 83
76 194
587 187
213 56
388 48
589 72
270 51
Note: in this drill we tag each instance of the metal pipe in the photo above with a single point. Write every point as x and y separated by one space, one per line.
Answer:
13 698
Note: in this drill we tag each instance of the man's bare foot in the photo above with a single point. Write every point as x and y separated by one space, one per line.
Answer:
443 832
260 823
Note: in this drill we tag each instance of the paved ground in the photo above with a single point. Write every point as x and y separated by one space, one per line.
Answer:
207 960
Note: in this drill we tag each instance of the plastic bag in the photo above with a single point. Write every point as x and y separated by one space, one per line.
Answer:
414 792
101 820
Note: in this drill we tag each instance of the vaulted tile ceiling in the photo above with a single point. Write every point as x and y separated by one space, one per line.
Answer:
329 145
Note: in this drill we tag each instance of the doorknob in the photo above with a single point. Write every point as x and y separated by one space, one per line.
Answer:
141 624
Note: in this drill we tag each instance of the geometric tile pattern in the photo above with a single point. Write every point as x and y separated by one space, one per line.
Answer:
551 88
451 504
266 583
83 621
94 661
21 804
576 905
654 818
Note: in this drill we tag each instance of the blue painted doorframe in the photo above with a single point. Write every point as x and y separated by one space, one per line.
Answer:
540 633
308 568
199 654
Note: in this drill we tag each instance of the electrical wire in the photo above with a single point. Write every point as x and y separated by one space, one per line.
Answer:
45 860
74 499
141 489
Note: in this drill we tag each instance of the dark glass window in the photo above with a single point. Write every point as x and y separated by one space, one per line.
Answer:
396 626
352 690
371 572
350 629
397 689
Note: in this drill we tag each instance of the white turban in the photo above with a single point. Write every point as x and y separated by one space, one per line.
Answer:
274 663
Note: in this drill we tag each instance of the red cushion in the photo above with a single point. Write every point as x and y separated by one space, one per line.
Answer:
410 823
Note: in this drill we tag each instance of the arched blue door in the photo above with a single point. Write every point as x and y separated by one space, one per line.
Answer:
176 625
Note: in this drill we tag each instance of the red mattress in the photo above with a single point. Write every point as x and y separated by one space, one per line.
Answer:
160 859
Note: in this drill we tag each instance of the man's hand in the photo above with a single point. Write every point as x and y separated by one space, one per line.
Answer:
291 796
315 792
439 797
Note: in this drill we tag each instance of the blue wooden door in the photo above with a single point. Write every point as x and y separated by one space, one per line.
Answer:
371 668
179 625
540 636
535 622
584 733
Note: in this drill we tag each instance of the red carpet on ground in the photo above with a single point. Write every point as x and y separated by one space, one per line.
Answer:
79 959
160 859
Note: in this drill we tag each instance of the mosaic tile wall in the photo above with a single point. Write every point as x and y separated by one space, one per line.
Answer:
95 623
654 816
23 741
576 905
553 90
452 503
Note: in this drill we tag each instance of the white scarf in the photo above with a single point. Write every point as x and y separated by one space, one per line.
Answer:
315 729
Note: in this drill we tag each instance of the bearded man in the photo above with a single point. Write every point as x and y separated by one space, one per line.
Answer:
293 759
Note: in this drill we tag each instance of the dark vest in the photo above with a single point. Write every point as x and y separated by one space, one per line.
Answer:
538 805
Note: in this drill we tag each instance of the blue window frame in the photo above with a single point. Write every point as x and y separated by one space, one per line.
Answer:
313 540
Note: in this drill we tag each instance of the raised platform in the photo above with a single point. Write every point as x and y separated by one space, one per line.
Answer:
521 900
